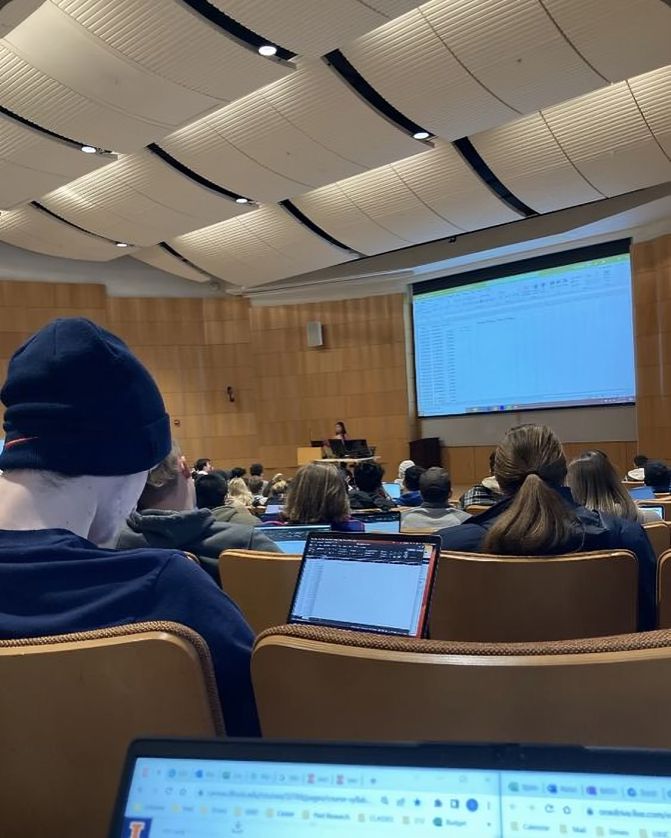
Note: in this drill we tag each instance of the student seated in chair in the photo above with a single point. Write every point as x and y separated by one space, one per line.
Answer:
638 472
539 517
657 475
485 493
435 488
410 494
318 495
369 493
167 517
84 424
212 493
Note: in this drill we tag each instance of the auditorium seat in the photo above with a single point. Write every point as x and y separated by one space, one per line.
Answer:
664 590
70 705
633 484
318 683
477 508
659 535
489 598
261 584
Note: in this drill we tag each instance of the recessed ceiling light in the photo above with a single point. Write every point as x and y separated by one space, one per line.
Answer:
421 135
89 149
122 244
241 200
267 50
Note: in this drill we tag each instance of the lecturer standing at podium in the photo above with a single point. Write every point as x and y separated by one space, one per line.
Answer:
341 431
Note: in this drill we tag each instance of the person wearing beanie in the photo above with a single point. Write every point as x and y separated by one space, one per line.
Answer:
84 424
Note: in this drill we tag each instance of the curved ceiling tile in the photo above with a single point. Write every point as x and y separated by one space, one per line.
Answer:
426 197
303 131
171 41
313 27
139 199
410 66
100 98
32 163
652 92
619 38
607 139
443 180
162 259
525 156
513 49
264 245
33 229
14 12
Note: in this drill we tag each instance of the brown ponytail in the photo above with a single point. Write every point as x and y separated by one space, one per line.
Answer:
530 465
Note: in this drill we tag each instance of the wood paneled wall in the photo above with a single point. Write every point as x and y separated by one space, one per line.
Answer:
652 303
358 376
469 464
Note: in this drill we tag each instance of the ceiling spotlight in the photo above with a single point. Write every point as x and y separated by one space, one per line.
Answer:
268 50
241 200
89 149
421 135
122 244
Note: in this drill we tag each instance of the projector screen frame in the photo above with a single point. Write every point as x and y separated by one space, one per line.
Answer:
616 247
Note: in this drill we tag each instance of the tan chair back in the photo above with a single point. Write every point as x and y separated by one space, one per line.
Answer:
315 683
659 535
664 590
513 598
477 508
261 584
633 484
69 707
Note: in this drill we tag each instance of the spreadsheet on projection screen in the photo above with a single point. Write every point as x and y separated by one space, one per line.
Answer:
557 337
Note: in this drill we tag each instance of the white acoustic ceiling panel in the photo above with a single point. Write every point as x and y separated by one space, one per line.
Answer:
514 50
619 38
33 229
32 163
313 27
298 133
606 137
652 92
262 246
426 197
140 200
172 41
160 258
14 12
56 74
526 157
407 62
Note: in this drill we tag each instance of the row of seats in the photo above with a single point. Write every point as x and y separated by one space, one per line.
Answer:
484 597
85 697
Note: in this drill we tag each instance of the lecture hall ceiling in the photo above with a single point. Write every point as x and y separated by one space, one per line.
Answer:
375 126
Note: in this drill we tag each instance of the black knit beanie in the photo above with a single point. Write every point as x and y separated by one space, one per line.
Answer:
79 402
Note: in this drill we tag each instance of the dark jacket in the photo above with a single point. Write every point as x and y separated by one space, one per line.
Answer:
593 531
410 499
195 531
359 499
54 582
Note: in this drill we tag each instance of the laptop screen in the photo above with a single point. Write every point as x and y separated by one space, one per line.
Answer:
393 490
281 797
658 510
343 575
642 493
293 539
388 522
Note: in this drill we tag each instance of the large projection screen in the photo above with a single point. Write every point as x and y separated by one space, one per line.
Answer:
556 331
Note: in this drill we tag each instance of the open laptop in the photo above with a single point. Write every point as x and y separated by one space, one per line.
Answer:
388 522
367 582
265 789
357 448
336 447
292 539
642 493
393 490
